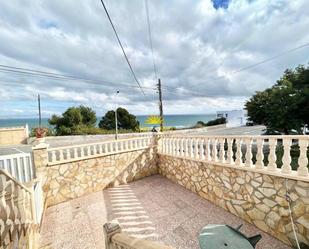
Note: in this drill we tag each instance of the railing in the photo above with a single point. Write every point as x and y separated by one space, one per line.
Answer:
19 165
17 210
286 155
38 201
85 151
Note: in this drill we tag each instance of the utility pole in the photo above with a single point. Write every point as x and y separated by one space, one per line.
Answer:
39 106
116 116
160 105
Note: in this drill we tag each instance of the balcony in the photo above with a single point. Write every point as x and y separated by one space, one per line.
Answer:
159 188
153 208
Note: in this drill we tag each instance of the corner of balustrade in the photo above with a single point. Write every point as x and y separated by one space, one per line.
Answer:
40 154
109 230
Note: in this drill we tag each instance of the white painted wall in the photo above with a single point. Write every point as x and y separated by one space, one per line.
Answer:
234 118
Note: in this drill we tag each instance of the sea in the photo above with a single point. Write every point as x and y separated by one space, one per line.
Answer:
178 121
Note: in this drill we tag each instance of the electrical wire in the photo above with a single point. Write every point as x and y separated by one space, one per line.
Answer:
261 62
288 199
120 44
150 39
57 76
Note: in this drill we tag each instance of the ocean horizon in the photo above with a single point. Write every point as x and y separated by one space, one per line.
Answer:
176 120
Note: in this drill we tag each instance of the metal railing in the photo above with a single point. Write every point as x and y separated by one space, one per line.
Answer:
19 165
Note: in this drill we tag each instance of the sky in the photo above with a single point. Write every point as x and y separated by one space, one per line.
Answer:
197 45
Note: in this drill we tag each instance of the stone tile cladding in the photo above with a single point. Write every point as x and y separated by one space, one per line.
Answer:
256 198
67 181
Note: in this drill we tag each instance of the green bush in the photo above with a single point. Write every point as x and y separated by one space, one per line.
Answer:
217 121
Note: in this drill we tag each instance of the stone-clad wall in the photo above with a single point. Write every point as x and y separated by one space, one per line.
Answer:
256 198
66 181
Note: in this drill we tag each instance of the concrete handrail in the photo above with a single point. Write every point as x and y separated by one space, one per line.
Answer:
229 151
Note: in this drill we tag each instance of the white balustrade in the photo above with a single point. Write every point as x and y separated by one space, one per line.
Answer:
272 158
214 153
228 150
70 153
207 150
259 153
202 155
196 148
221 150
238 160
248 162
19 165
286 159
229 154
303 159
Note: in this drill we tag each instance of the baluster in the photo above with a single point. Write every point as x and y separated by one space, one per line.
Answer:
162 142
88 150
181 141
104 148
207 149
302 160
68 152
5 164
167 145
259 153
82 152
202 156
248 162
221 150
238 160
272 166
229 154
214 156
186 144
196 149
12 168
24 169
100 149
61 155
19 169
121 145
125 145
53 156
30 167
175 146
75 153
286 159
190 148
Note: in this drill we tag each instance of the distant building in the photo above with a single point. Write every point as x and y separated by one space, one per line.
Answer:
234 117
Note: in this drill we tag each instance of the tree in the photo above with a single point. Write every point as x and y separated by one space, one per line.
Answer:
285 106
126 120
75 120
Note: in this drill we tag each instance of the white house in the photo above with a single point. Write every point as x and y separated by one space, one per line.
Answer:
234 117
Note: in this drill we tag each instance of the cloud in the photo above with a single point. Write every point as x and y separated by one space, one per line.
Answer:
197 44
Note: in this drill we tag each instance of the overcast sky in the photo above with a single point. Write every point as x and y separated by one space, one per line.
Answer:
197 45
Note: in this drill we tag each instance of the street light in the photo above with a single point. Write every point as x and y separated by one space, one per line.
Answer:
116 118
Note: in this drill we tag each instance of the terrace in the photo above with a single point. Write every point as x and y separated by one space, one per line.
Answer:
152 208
158 188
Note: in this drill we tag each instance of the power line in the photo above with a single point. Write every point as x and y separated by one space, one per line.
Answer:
262 62
57 76
150 39
123 51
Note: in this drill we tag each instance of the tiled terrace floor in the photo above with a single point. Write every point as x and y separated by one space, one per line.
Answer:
152 208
